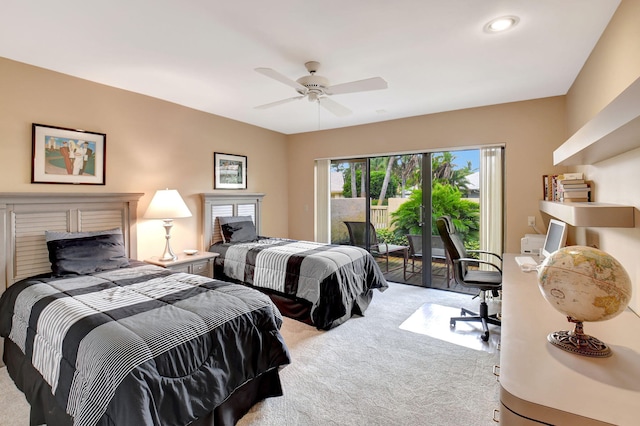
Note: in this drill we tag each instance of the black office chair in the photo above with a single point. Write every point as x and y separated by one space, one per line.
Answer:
466 273
357 237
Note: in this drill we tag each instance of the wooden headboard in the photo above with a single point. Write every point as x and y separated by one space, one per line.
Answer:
24 218
218 205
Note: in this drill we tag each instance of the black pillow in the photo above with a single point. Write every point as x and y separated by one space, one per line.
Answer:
238 229
85 255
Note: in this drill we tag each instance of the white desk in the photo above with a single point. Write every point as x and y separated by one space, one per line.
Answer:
543 383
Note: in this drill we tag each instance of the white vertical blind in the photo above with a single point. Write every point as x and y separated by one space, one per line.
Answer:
491 194
322 212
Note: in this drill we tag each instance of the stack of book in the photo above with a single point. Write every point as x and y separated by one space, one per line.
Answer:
567 187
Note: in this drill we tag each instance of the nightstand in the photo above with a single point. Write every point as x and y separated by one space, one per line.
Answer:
200 263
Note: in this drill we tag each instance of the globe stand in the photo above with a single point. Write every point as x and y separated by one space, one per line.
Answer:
579 343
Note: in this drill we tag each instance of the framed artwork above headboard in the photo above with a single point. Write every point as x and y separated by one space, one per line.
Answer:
219 205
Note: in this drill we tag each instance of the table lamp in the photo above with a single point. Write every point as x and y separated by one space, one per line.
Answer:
167 204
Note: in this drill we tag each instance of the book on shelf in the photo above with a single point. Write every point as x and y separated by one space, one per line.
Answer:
585 189
571 176
567 186
571 181
575 194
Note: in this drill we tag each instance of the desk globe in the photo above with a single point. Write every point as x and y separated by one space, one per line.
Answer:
585 284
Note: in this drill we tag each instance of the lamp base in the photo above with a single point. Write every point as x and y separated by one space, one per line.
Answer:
168 255
579 343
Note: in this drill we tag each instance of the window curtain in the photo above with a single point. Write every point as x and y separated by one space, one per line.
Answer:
322 212
491 200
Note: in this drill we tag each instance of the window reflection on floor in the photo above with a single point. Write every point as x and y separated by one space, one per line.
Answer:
433 320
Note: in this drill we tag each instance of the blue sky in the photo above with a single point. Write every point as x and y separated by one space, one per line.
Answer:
461 158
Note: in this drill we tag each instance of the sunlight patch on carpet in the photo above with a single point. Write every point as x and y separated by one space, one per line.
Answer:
433 320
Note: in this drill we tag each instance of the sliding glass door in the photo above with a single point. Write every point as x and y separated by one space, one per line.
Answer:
396 200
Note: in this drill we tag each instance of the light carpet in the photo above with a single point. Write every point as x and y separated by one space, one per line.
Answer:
368 371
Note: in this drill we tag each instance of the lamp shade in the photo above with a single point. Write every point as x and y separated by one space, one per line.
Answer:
167 204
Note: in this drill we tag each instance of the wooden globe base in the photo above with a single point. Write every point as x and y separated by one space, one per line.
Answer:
579 343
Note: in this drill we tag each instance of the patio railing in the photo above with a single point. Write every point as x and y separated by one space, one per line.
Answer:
380 217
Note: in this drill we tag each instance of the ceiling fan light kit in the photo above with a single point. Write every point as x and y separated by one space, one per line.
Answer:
318 89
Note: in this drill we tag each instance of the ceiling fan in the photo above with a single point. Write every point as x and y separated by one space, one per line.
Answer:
317 88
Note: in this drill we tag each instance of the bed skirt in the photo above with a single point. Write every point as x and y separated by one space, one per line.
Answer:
45 410
300 309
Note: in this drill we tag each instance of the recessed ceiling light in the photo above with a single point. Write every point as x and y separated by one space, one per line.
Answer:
501 24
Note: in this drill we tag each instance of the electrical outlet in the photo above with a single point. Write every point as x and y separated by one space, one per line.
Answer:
531 221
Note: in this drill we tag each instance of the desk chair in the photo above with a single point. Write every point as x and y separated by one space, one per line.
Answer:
357 237
466 274
438 254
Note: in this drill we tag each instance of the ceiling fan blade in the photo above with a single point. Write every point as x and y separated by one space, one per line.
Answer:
276 103
282 79
374 83
334 107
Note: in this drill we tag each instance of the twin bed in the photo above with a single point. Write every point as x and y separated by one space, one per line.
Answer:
92 336
319 284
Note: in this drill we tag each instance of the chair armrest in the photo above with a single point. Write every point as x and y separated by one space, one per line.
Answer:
485 252
470 259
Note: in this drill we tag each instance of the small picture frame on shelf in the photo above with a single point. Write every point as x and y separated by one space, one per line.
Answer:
230 171
67 156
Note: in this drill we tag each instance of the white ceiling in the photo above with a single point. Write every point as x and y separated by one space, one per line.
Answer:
202 54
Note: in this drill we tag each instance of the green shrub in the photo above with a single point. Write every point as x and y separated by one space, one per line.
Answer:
385 235
446 200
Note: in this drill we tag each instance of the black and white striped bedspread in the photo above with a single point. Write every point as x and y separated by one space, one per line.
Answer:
85 334
304 269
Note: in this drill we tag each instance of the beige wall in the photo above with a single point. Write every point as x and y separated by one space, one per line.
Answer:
529 130
613 65
151 144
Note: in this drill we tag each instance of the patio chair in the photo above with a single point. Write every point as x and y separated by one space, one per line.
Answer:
438 254
357 237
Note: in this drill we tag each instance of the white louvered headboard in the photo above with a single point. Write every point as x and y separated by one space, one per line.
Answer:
25 217
218 205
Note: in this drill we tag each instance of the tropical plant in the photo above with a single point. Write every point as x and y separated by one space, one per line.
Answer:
446 200
445 171
406 219
410 171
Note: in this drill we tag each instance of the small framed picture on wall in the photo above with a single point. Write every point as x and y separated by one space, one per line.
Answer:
67 156
230 171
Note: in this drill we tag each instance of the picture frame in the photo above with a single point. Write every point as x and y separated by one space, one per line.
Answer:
67 156
230 171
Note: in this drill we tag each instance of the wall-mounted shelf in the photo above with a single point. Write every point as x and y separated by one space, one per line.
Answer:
613 131
590 214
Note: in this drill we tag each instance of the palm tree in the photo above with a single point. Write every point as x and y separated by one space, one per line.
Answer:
385 183
363 188
409 167
352 167
446 172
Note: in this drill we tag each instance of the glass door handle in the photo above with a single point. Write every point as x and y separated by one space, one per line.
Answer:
421 214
